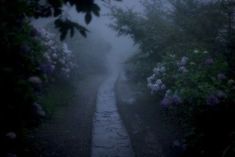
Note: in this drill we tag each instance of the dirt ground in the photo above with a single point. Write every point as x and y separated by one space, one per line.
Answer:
69 132
150 134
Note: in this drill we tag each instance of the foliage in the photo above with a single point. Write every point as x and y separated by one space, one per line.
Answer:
57 58
15 12
197 90
195 87
30 59
195 78
174 26
57 94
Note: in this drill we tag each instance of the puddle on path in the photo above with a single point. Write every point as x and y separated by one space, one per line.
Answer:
110 138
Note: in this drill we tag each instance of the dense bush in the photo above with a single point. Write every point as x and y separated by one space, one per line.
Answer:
185 54
30 60
196 78
197 90
57 58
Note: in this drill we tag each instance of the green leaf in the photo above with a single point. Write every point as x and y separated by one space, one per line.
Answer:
96 9
66 26
72 32
57 12
83 33
88 17
63 35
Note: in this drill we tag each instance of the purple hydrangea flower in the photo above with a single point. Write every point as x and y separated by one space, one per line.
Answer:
176 100
209 61
35 80
34 32
220 94
159 69
150 79
212 100
221 77
170 100
166 101
46 68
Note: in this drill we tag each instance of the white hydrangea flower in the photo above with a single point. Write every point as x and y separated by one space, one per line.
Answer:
150 78
172 55
66 49
163 87
52 67
195 51
158 81
56 52
183 69
62 61
183 61
168 93
54 55
160 69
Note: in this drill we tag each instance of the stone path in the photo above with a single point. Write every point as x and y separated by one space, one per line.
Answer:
110 138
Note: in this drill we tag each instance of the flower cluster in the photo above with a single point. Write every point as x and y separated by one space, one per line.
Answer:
57 58
170 98
158 81
154 83
195 78
182 64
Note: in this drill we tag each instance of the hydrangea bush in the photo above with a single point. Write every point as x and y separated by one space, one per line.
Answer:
195 78
57 58
198 94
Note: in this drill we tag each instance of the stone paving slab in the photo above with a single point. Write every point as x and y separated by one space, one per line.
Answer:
110 138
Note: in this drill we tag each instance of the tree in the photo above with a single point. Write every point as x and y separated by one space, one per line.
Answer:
174 26
192 41
21 62
17 11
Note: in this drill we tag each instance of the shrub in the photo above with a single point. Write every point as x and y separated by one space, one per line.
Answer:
195 88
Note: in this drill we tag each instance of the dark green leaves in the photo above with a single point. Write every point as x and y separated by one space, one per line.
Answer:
88 7
56 4
67 26
57 12
53 8
96 9
88 17
84 5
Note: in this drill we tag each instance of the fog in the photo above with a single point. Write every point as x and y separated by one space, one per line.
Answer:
122 47
117 78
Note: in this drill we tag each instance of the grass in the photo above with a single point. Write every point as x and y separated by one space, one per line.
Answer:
56 95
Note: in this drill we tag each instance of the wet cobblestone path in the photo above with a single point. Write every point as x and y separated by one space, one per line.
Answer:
110 138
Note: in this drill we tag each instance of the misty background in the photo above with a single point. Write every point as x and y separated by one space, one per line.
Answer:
101 41
117 78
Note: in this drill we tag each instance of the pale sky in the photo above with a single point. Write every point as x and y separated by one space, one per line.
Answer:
121 46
